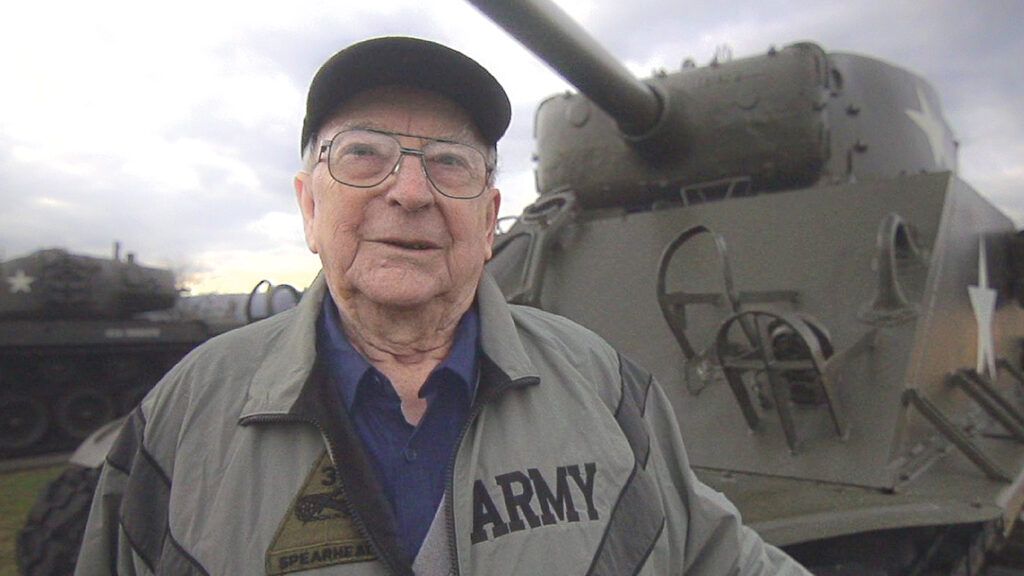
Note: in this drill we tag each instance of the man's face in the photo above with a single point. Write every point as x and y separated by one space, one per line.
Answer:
401 243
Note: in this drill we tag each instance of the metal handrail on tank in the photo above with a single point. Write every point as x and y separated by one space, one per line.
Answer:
269 298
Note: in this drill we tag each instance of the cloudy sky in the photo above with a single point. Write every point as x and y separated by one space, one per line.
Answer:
173 127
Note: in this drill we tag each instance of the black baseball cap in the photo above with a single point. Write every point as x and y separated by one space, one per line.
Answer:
404 61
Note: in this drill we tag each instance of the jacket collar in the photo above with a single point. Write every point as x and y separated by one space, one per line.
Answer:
280 377
499 337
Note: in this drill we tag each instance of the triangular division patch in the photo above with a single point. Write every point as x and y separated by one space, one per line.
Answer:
317 531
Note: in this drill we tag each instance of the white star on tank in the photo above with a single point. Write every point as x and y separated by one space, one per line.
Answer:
20 282
933 127
983 300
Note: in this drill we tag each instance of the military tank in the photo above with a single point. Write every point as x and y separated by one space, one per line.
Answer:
89 337
81 340
784 242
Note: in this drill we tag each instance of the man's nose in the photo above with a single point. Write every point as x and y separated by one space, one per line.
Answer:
410 187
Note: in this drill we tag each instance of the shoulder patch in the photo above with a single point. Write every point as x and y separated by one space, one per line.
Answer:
318 530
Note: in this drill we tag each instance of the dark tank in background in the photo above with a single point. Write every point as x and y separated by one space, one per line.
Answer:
82 339
784 241
76 349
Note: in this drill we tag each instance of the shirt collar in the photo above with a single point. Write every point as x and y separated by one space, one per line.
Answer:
348 366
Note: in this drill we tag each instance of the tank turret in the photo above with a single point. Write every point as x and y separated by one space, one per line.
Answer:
82 339
57 284
790 118
834 315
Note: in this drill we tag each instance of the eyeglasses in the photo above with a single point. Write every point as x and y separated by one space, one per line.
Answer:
365 158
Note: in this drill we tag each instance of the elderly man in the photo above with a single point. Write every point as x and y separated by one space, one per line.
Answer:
404 419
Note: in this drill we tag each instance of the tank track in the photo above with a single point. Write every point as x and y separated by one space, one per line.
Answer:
51 398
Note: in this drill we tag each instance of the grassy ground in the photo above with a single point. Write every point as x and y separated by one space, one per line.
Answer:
18 492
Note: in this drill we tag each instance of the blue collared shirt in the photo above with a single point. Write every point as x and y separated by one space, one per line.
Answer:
411 461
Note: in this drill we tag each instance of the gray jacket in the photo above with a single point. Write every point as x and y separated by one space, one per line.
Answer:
238 462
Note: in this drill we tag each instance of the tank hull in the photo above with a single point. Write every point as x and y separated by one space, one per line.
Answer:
903 450
61 379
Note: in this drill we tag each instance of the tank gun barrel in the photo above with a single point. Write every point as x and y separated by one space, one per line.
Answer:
550 33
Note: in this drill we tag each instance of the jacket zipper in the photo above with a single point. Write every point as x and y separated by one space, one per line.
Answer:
450 489
331 450
450 480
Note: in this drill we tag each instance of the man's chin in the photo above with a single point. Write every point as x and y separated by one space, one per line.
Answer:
404 289
402 300
409 293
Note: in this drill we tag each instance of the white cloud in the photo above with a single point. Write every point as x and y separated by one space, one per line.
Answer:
283 227
53 203
175 166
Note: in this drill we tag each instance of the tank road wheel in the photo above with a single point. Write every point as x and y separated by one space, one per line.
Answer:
23 421
124 369
49 542
56 370
83 410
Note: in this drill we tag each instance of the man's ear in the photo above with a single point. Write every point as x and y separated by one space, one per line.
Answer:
492 222
307 206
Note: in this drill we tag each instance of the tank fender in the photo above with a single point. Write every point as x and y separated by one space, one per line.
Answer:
93 450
